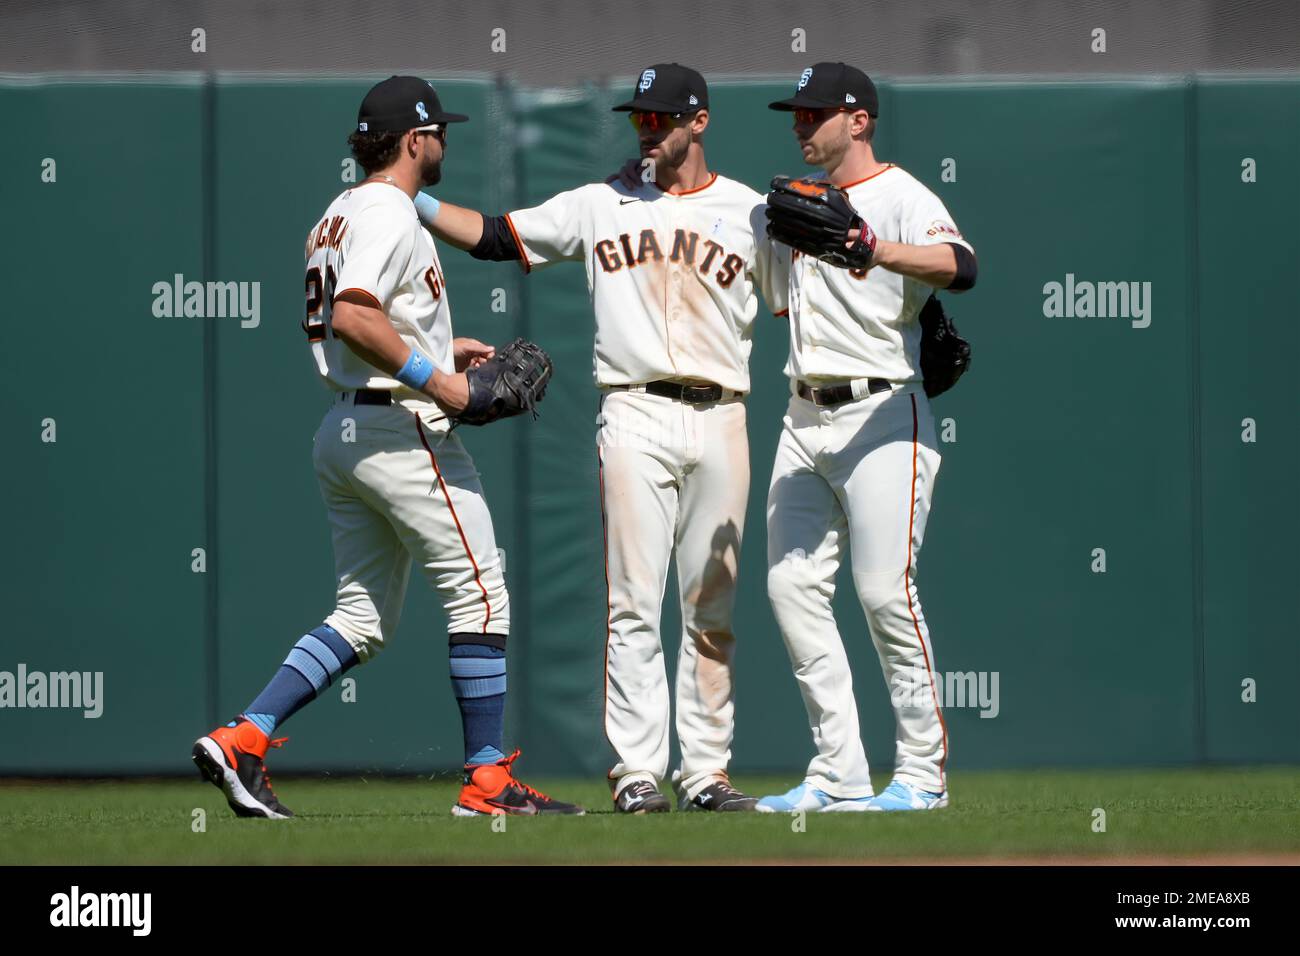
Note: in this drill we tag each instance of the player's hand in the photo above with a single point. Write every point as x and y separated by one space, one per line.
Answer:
869 238
470 353
451 392
629 175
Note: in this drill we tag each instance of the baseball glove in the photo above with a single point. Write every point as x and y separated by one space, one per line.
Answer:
815 218
945 355
513 381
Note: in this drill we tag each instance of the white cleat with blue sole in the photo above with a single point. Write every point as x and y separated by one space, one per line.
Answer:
904 796
808 798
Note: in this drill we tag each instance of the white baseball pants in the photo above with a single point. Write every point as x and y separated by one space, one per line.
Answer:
672 475
862 474
399 486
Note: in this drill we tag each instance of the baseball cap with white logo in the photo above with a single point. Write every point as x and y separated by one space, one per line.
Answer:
402 103
668 88
832 86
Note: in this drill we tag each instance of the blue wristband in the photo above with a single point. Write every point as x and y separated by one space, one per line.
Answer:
426 207
417 370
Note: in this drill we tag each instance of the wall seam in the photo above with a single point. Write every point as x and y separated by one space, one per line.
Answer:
1191 172
211 654
516 118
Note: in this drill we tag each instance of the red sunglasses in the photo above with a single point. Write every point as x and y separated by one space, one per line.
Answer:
810 117
654 122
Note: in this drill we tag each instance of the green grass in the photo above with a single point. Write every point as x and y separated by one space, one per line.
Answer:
994 815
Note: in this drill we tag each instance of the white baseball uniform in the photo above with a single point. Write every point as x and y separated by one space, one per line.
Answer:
672 281
397 484
860 473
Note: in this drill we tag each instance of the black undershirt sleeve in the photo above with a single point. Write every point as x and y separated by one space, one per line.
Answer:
966 269
498 243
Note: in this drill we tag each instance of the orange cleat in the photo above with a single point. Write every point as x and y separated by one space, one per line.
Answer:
232 758
492 788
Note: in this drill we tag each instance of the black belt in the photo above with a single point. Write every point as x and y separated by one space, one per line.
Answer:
690 394
369 396
835 394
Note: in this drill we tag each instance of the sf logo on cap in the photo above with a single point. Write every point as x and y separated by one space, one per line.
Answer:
647 78
804 77
424 114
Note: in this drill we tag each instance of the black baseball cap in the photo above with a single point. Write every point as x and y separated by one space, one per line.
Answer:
402 103
832 86
668 88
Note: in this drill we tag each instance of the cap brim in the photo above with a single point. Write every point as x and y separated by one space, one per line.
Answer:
807 103
801 101
442 120
648 105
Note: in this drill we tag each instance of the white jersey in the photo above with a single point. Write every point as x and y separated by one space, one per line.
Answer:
371 241
672 277
849 324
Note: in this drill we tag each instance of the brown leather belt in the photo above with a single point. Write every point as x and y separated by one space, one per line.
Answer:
837 394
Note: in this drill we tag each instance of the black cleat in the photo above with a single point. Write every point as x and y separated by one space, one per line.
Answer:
641 797
719 796
231 758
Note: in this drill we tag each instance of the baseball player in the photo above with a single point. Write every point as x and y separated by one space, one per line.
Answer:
857 458
672 266
397 483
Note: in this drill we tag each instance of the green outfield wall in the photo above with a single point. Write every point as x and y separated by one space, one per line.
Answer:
164 529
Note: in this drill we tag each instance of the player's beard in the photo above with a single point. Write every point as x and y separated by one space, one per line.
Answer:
431 171
674 156
832 151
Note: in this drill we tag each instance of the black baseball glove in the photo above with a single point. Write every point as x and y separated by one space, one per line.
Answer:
513 381
815 218
945 355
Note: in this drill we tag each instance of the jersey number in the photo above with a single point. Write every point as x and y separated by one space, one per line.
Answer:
318 293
